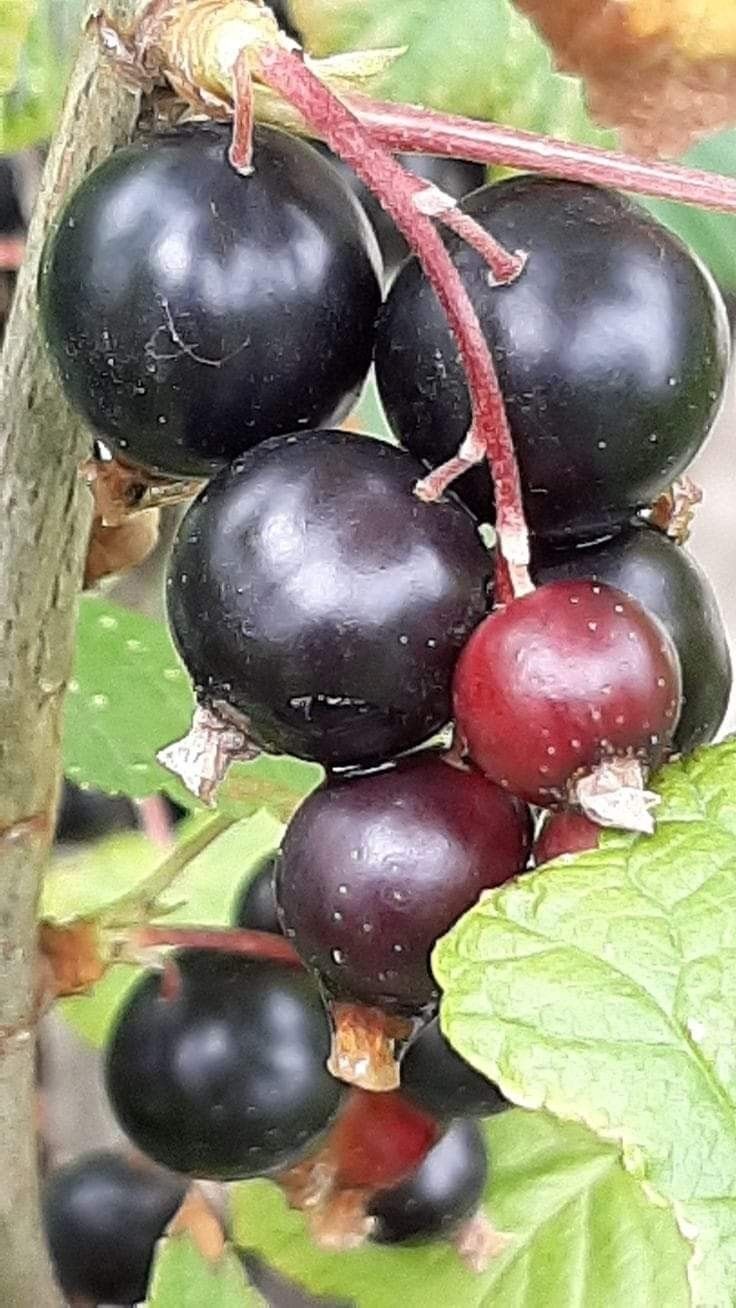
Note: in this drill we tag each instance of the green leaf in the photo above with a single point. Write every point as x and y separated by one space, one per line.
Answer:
15 20
128 697
37 41
202 895
183 1278
582 1234
276 783
711 235
603 988
481 58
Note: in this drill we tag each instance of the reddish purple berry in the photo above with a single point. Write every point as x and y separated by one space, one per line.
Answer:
565 833
559 681
372 870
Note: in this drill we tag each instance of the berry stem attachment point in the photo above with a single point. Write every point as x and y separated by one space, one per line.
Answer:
614 795
674 511
397 192
364 1046
202 757
477 1243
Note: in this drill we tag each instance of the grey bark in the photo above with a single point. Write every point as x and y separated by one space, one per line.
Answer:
45 513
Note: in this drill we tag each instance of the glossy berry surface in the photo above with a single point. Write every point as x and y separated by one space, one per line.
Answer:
313 592
559 680
373 869
102 1218
255 906
442 1194
664 578
611 349
565 833
379 1139
436 1078
193 312
226 1078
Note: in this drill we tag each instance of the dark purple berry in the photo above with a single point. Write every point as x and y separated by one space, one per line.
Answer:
193 312
103 1216
439 1080
225 1078
255 906
375 868
311 592
611 349
441 1195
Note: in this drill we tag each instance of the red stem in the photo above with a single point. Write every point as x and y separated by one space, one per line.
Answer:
405 129
155 818
254 944
12 250
287 74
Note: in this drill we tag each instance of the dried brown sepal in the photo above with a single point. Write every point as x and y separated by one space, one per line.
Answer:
614 795
216 739
337 1216
72 956
113 550
311 1182
662 71
478 1243
342 1222
364 1046
119 490
197 1219
674 511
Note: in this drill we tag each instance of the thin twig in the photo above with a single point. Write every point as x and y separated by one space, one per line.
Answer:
406 129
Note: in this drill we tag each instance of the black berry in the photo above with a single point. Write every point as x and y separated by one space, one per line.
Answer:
442 1194
102 1217
226 1077
374 869
11 217
255 906
611 349
193 312
312 592
437 1078
88 814
572 674
666 580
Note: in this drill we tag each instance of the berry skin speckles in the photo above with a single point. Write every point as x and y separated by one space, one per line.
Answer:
563 680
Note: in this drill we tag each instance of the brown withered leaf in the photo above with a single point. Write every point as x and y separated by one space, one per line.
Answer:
113 550
72 957
661 71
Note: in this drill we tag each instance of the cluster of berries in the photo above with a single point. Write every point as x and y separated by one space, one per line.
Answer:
218 326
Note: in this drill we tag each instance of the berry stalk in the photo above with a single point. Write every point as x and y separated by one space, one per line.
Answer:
408 130
397 192
253 944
